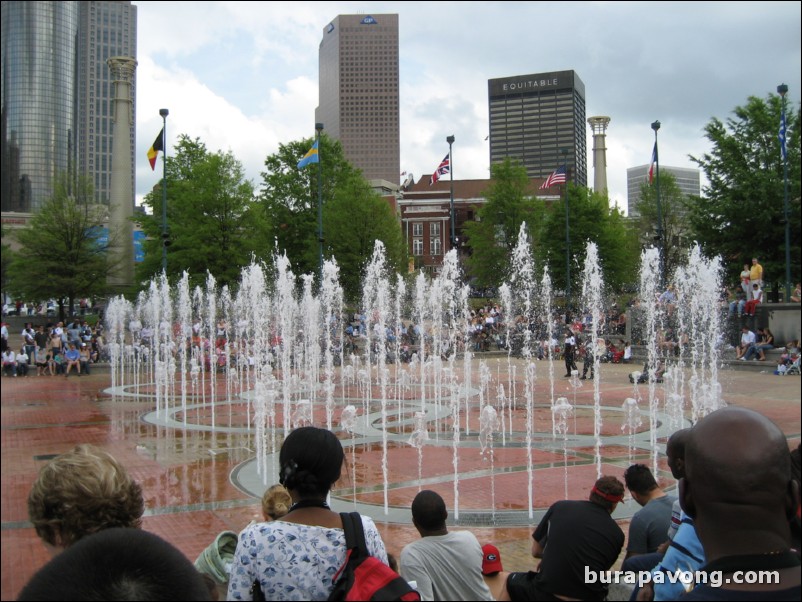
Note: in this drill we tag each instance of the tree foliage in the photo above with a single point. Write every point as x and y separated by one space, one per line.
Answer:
673 213
353 220
212 219
61 253
492 237
741 213
353 215
590 219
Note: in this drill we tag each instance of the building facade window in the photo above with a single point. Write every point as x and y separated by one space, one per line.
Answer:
417 246
417 229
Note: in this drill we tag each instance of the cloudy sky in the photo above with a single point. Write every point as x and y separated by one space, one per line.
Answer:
243 76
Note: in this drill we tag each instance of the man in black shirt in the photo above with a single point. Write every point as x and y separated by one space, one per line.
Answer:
573 539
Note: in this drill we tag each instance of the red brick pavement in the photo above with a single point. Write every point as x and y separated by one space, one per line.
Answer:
188 490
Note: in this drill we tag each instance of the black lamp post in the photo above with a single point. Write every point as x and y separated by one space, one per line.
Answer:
318 129
660 243
165 236
782 90
450 140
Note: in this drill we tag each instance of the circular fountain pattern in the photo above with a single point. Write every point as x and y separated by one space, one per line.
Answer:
501 439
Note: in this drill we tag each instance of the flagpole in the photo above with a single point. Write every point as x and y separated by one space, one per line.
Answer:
165 237
564 152
318 129
782 90
660 246
450 140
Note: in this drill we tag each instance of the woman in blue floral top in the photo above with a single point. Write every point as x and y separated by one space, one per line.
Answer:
296 557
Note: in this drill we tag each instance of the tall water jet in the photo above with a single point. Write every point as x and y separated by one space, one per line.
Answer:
649 274
592 286
522 284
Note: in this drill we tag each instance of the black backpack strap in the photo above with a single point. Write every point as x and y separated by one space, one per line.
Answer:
354 534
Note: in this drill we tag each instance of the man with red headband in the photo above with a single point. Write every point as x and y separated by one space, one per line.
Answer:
573 539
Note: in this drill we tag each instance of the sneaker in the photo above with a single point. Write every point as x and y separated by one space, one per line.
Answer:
743 359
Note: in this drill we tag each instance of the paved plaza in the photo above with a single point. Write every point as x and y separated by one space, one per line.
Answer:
199 480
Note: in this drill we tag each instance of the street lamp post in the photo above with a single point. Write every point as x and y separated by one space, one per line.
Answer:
450 140
164 113
318 129
564 153
782 90
660 243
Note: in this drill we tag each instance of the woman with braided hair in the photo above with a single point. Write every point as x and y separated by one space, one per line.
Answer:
296 556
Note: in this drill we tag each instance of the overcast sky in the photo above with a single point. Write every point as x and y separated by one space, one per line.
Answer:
243 76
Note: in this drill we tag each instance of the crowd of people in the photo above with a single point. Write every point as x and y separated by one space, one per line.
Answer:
737 510
52 349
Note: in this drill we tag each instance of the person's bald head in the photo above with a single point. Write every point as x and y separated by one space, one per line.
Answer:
735 459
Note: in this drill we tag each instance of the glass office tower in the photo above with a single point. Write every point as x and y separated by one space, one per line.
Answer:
38 99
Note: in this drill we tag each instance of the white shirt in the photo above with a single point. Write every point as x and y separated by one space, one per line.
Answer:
747 338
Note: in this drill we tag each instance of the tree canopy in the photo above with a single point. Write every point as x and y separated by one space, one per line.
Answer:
62 254
492 237
211 216
741 213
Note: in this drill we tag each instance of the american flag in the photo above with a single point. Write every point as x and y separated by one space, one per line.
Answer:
557 177
442 169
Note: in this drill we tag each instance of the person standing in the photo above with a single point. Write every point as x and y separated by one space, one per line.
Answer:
756 273
444 565
746 275
569 352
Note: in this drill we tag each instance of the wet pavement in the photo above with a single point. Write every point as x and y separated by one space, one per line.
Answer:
199 480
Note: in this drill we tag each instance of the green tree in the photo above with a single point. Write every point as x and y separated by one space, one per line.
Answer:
61 253
590 219
741 215
289 198
212 219
673 211
492 237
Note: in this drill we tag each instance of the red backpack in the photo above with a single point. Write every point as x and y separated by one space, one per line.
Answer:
362 576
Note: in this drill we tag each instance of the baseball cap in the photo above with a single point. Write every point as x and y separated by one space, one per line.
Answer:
491 559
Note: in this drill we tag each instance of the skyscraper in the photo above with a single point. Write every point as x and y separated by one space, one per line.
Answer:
533 118
57 94
105 30
687 179
359 100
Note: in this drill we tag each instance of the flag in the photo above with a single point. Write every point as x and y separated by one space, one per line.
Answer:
781 137
442 169
153 151
557 177
310 157
653 164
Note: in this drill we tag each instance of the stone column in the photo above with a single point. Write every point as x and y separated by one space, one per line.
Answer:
121 200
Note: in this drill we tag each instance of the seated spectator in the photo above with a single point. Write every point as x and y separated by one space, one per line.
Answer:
739 490
764 343
573 537
85 359
73 360
753 301
9 362
22 362
276 502
796 294
297 557
118 564
82 492
445 565
737 303
747 340
493 572
649 526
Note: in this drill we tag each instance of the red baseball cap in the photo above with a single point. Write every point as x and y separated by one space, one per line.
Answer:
491 559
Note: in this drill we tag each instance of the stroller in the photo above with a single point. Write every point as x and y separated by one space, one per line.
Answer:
793 367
